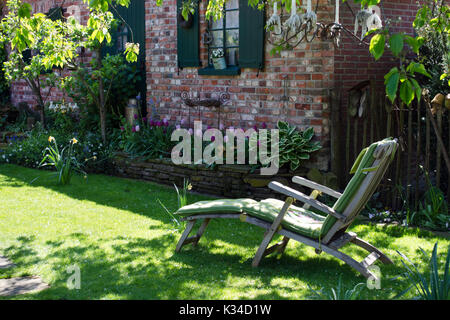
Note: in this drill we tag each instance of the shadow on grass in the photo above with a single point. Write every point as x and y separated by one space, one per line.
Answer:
137 268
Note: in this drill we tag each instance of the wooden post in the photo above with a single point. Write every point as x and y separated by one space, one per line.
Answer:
347 145
448 176
372 111
427 140
438 137
419 137
398 166
439 148
335 134
410 149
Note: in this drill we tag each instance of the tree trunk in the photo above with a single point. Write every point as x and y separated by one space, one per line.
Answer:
101 100
40 102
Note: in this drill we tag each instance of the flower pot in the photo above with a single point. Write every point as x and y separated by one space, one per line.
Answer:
183 23
131 112
219 63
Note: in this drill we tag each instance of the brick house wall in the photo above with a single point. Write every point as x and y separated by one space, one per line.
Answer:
309 72
353 62
255 97
20 92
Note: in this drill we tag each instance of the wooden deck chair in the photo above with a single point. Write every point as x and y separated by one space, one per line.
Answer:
327 234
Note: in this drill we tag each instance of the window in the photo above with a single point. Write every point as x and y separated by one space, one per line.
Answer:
240 33
225 33
122 37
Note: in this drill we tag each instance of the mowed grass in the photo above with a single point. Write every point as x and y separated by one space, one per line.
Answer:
115 231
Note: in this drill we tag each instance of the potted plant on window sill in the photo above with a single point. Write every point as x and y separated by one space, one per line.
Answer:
218 59
185 16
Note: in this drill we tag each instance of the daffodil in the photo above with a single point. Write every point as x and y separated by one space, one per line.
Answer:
51 139
74 141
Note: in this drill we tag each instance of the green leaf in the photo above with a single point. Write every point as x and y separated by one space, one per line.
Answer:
417 89
415 67
391 82
407 92
377 45
414 43
25 10
396 43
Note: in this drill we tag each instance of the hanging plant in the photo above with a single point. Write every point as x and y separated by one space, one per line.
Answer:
185 16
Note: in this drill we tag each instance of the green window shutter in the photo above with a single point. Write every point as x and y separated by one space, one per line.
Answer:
251 36
188 42
55 14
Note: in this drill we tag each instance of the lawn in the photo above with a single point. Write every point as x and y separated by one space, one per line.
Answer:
123 241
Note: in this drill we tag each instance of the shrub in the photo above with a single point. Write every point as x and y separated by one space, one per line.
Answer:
148 139
29 152
121 81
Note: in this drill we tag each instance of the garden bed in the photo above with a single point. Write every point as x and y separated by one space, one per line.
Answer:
231 181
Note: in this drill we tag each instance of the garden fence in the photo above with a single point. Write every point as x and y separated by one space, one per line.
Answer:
364 115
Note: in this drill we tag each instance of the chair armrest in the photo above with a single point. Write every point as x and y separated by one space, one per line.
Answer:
316 186
278 187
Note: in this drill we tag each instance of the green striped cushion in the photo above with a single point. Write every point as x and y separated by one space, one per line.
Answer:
364 161
215 206
297 219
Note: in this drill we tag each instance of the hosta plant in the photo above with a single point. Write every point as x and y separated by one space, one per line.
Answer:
295 145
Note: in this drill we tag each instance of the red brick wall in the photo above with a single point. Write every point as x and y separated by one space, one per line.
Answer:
255 97
353 62
311 71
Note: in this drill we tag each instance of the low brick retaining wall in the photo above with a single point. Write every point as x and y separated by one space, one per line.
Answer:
230 181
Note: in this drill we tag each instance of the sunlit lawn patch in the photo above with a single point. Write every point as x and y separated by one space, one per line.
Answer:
124 242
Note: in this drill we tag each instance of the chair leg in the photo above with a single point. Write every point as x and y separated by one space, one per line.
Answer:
362 267
262 248
200 231
278 247
283 245
270 233
370 248
185 234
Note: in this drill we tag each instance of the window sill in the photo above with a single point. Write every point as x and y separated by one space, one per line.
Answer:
210 71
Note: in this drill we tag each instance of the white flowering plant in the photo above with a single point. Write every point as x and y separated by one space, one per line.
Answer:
217 53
